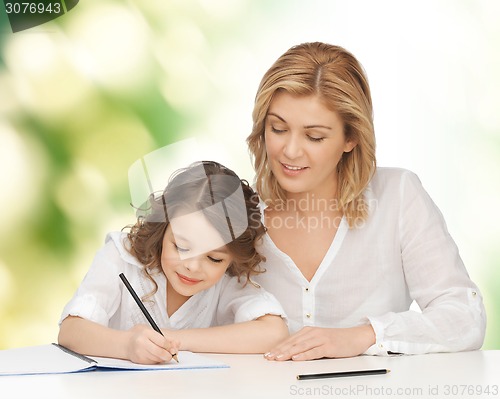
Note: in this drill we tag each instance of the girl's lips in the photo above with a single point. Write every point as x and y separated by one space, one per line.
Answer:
187 280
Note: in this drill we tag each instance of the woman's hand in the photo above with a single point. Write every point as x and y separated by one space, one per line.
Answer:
146 346
316 342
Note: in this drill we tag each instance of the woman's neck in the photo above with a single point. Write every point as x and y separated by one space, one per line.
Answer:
311 202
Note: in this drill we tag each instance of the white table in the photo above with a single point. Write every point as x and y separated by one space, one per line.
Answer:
456 375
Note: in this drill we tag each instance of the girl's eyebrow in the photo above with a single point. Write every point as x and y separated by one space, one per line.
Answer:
305 127
178 237
222 250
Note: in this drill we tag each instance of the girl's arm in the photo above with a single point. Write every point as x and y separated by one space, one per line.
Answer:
140 344
256 336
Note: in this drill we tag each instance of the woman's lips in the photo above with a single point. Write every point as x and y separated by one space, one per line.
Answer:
292 170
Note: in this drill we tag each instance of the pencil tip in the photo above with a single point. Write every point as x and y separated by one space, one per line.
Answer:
175 358
388 370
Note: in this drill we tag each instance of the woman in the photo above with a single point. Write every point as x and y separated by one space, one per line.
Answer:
349 246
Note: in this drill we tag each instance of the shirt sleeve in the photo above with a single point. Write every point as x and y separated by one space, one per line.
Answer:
98 296
452 316
239 302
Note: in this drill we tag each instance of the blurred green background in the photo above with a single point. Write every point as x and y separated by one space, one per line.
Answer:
84 96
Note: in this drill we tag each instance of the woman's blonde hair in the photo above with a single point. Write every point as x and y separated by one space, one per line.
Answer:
338 79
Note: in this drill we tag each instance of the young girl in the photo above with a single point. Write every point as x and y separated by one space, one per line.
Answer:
190 259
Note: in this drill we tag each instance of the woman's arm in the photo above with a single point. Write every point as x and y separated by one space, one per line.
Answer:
256 336
140 344
452 316
316 342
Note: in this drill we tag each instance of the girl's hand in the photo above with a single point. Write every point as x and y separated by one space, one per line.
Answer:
146 346
315 343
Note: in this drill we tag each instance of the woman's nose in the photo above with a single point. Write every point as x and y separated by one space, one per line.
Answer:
293 147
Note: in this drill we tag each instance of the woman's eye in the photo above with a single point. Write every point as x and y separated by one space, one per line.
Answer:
215 260
276 130
316 139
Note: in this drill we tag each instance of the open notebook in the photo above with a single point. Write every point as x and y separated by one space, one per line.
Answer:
56 359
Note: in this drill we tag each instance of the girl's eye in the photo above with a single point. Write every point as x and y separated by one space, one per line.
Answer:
214 260
179 249
316 139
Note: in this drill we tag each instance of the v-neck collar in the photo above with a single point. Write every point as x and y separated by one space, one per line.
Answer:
325 262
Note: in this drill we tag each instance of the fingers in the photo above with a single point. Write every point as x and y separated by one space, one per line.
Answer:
316 342
309 354
149 347
164 349
300 346
173 347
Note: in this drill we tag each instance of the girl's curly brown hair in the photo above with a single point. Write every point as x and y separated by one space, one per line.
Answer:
190 191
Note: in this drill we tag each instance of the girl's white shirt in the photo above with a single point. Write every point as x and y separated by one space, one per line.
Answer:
372 274
102 297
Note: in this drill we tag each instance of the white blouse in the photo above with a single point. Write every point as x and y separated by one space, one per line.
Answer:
373 273
103 298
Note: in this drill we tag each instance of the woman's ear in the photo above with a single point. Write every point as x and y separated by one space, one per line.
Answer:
349 145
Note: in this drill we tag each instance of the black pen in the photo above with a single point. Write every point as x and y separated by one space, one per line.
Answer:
143 308
342 374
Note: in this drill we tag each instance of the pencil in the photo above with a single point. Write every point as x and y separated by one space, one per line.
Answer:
143 308
342 374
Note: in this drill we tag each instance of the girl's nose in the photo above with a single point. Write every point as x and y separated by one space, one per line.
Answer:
193 264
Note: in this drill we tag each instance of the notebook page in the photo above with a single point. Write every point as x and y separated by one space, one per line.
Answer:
41 359
187 360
